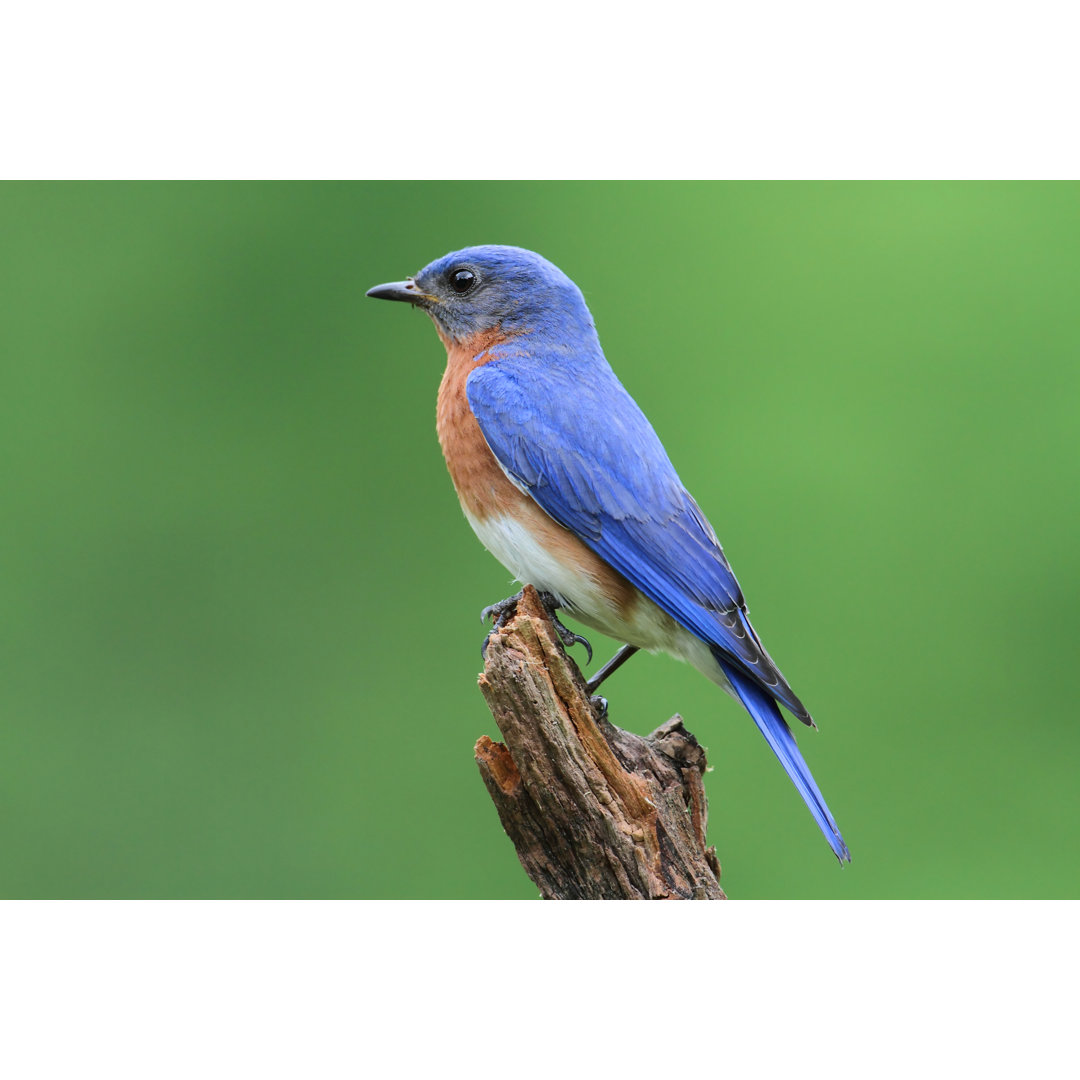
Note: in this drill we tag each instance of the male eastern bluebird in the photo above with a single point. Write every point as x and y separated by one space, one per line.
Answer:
565 482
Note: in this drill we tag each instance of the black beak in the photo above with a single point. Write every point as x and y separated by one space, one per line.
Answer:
399 290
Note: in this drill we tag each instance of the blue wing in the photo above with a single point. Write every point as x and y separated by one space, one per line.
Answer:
564 427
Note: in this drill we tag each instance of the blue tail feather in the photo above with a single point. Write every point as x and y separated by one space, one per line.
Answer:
766 713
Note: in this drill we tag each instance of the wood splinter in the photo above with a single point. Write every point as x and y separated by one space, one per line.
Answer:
595 812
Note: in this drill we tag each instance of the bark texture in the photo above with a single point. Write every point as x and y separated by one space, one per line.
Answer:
594 812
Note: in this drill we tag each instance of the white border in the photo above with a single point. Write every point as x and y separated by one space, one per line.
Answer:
474 89
416 989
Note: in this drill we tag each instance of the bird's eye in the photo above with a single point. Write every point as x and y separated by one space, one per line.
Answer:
461 281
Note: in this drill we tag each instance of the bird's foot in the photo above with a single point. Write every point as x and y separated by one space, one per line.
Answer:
599 705
498 613
566 635
502 611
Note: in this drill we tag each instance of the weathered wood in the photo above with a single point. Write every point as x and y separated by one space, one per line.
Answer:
594 812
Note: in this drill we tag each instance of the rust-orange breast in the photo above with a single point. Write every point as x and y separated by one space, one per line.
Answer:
482 486
485 490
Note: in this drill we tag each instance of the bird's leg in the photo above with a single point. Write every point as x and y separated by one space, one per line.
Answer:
501 611
612 665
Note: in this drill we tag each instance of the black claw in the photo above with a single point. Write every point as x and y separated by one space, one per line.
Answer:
599 705
566 635
500 611
570 638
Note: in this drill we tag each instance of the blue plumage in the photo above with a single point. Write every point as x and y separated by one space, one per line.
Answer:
774 727
566 432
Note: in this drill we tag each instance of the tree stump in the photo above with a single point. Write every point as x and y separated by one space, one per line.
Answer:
594 812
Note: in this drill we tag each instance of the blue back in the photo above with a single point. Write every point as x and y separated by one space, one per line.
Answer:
564 427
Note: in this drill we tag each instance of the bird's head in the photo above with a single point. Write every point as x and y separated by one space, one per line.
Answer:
492 287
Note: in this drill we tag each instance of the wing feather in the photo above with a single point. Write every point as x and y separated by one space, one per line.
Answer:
586 453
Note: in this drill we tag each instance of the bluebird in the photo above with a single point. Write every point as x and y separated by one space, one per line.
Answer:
565 482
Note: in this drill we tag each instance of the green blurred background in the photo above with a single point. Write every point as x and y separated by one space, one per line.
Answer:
241 634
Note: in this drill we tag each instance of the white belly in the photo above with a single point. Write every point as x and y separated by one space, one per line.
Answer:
647 626
532 563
